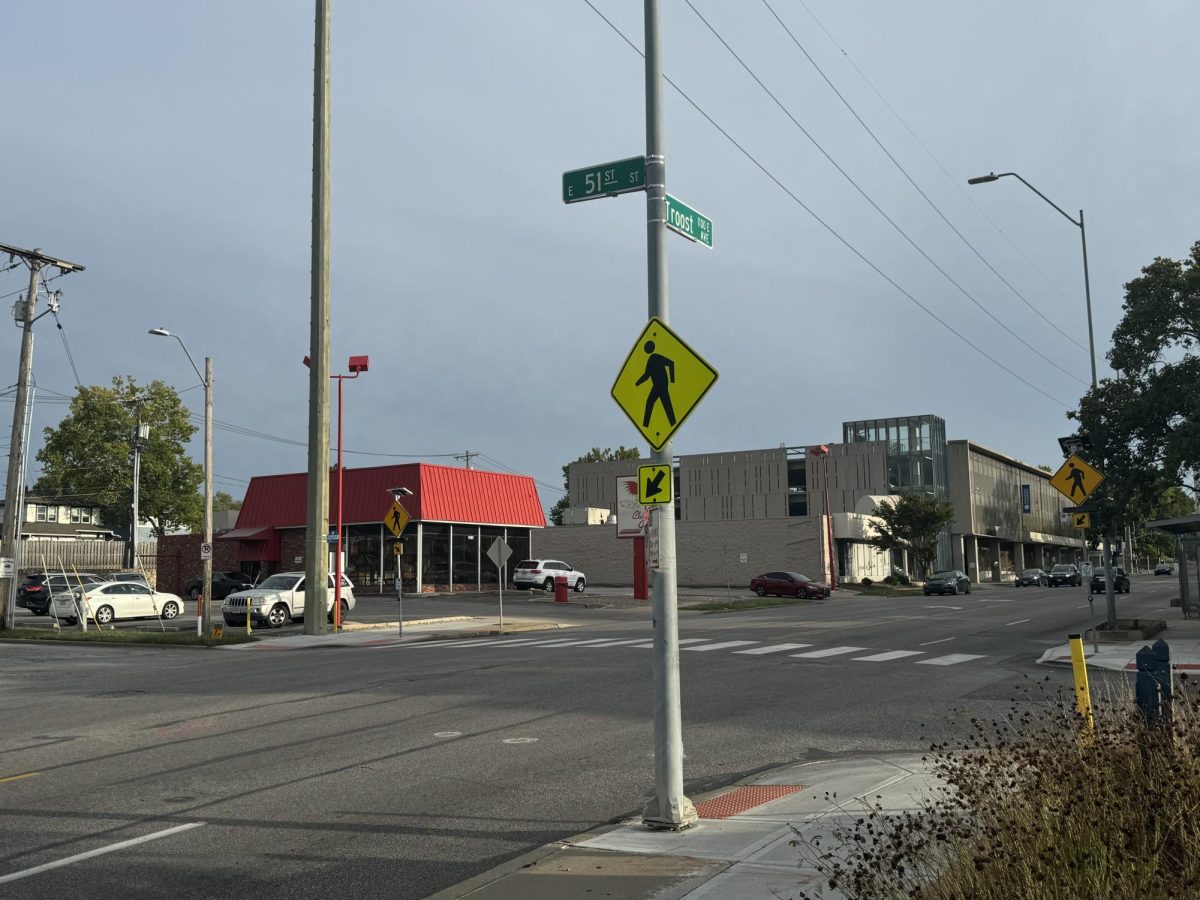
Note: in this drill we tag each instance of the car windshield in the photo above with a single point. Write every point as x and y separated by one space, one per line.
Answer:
1062 568
942 575
796 576
279 583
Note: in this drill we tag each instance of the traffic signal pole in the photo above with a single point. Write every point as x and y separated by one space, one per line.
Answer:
669 808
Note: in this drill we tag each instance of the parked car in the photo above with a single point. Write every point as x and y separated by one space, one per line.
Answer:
533 573
223 584
137 577
105 601
1064 574
951 581
36 589
1120 581
279 599
1164 568
1033 578
788 584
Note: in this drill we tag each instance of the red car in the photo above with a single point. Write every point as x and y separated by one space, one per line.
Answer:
788 584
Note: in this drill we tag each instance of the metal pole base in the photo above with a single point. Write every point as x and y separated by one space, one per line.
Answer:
678 814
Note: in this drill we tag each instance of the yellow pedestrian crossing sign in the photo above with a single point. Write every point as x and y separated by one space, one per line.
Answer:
396 518
655 485
1081 520
1076 480
661 382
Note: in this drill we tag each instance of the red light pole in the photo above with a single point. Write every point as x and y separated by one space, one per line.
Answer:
357 364
823 452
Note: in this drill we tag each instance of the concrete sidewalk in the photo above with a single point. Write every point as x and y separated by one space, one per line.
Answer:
381 635
741 847
1182 636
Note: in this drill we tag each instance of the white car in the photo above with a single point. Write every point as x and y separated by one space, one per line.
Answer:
533 573
109 600
280 599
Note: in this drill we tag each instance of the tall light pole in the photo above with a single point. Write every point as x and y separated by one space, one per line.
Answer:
822 451
357 365
1110 596
206 381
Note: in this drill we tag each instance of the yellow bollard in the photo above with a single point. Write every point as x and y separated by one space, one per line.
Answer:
1083 697
248 602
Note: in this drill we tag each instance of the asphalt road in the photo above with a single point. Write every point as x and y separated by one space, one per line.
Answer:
398 771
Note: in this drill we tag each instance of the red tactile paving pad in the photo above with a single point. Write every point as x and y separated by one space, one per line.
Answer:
743 798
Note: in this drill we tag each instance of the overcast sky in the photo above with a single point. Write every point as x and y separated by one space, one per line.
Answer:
167 147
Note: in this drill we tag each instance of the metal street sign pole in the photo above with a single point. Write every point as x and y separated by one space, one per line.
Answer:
669 808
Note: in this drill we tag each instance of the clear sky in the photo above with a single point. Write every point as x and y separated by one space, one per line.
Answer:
167 147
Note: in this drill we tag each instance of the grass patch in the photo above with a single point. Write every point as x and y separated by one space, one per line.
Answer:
746 603
178 638
1034 806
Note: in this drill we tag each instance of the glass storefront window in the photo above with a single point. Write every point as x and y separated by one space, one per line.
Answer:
518 539
466 558
361 546
489 574
435 562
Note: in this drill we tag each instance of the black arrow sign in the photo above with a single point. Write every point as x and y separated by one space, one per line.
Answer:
654 485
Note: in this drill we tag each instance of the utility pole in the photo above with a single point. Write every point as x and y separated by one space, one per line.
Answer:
139 433
466 456
669 808
13 488
316 561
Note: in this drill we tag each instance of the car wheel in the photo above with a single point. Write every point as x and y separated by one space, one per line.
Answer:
579 586
71 621
277 617
345 611
954 589
170 609
968 590
548 585
229 621
927 593
194 593
104 615
761 591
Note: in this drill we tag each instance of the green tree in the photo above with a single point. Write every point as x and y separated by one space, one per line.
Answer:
911 523
88 456
1144 424
223 501
594 455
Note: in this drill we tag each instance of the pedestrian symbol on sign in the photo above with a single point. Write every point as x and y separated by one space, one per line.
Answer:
661 372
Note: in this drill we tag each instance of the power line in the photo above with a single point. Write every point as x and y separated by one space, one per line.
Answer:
829 228
899 230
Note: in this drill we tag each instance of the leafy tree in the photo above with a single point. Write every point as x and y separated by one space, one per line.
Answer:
223 501
88 456
912 523
1144 424
593 455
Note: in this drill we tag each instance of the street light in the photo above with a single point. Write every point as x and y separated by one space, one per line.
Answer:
206 381
823 451
1110 597
357 364
397 493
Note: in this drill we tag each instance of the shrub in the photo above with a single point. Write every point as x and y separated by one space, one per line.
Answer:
903 579
866 582
889 580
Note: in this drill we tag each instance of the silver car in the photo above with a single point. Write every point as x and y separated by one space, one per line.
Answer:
535 573
279 599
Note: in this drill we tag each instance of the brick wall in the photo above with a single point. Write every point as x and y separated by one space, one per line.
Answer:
179 560
708 553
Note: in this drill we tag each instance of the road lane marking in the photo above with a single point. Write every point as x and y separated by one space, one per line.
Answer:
99 851
1083 606
559 643
943 607
681 642
1018 622
949 660
996 599
938 641
890 654
773 648
831 651
721 646
618 642
21 777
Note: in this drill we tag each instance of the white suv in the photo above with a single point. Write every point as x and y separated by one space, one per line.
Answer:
531 573
280 599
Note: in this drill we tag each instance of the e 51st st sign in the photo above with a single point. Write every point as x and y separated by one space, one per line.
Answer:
605 180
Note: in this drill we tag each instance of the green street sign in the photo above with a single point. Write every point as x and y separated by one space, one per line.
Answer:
605 180
682 219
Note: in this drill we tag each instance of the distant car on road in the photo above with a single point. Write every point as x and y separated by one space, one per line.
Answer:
1164 568
788 584
37 588
534 573
1033 578
223 584
1120 581
109 600
1065 573
951 581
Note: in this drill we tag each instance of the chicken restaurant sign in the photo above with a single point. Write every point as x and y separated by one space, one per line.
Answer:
631 515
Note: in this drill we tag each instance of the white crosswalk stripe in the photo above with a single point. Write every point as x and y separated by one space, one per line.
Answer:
949 660
681 643
633 643
829 651
721 646
889 655
772 648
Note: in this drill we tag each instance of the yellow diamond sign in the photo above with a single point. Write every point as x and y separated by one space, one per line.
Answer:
396 518
1076 480
655 485
662 381
1081 520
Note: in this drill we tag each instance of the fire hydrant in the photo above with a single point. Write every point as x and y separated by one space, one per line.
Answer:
560 589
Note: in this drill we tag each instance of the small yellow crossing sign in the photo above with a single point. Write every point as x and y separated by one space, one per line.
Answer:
661 382
1076 480
1081 520
655 485
396 518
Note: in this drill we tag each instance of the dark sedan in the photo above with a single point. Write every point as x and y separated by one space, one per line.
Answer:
950 582
223 584
1065 574
1033 578
36 589
1120 582
788 584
